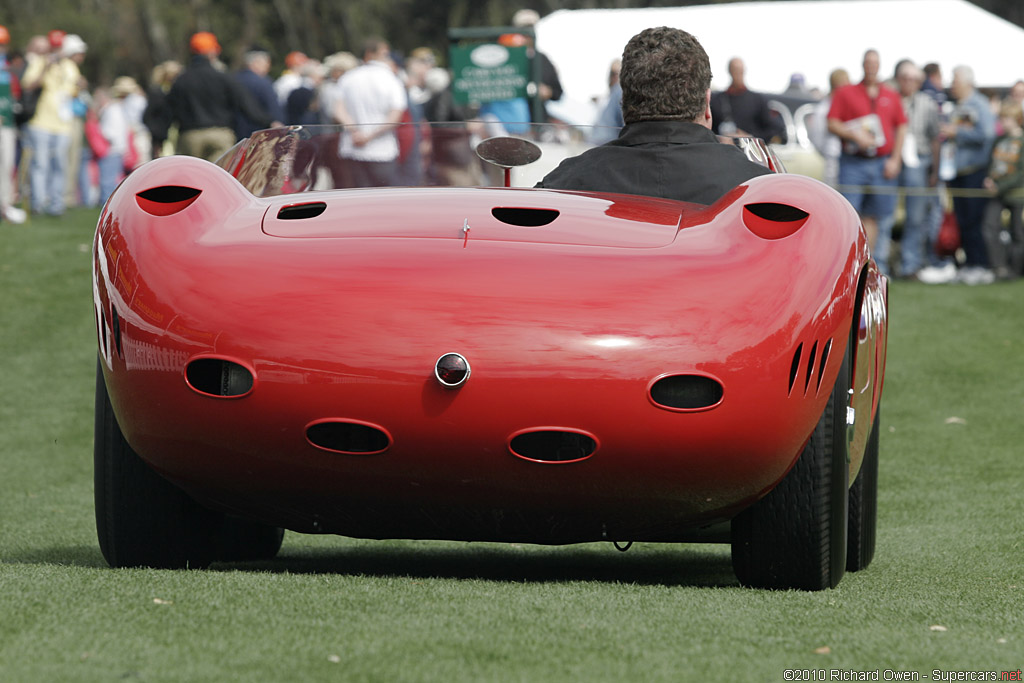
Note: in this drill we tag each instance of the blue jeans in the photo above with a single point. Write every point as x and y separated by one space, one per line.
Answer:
857 171
48 171
970 214
869 172
935 211
915 240
85 195
111 167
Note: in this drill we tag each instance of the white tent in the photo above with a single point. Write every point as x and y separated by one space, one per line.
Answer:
777 39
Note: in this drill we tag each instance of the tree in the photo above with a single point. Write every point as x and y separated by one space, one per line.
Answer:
128 37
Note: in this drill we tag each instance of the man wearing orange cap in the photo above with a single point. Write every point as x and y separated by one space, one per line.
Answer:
204 102
291 78
9 92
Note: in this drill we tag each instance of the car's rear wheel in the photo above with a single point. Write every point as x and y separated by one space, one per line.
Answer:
795 537
141 518
861 528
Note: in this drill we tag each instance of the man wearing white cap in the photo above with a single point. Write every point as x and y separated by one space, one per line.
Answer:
49 131
548 85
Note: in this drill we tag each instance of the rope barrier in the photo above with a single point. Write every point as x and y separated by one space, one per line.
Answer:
916 191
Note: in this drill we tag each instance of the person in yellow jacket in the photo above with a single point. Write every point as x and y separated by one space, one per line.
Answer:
49 130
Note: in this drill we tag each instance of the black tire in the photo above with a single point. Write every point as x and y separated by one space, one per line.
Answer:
795 537
143 520
863 520
243 540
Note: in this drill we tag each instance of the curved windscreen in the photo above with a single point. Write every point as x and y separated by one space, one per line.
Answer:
296 159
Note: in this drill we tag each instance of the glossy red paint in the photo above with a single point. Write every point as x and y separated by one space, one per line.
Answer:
341 317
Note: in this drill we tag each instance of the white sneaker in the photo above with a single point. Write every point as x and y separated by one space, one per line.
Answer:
14 214
976 275
937 275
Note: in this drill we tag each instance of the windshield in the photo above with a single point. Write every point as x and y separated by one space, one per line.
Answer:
315 158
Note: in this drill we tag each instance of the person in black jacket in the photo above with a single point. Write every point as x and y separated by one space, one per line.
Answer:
158 117
253 78
740 111
666 149
549 87
205 101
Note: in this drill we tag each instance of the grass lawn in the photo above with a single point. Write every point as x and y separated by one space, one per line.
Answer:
946 590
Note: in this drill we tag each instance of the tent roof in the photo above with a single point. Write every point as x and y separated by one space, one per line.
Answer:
777 39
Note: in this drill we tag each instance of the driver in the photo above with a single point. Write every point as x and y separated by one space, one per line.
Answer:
666 149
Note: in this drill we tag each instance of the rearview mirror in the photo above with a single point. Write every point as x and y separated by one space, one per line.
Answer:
508 153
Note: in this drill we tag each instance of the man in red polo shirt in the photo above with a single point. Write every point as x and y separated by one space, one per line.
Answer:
869 120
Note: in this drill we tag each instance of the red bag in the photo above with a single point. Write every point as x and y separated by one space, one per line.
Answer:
94 136
948 241
406 135
131 156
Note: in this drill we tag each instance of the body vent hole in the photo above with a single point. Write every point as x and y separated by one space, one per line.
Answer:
824 361
116 330
351 438
219 377
553 446
169 194
166 199
772 221
686 392
525 218
810 366
103 332
781 213
295 212
794 369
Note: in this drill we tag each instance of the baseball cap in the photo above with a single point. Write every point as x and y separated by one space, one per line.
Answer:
512 39
295 59
204 42
56 38
73 45
525 17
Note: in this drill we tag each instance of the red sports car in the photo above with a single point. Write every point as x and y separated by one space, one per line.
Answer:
480 362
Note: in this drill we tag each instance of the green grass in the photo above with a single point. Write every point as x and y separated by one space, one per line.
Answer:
950 553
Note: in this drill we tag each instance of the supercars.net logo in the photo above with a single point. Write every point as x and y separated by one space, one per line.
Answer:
894 675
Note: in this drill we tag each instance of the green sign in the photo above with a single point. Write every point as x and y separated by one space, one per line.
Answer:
488 72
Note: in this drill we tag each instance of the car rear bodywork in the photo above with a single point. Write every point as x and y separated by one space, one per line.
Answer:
638 368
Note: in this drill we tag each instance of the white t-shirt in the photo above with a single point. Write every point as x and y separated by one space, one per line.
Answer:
285 84
114 126
371 92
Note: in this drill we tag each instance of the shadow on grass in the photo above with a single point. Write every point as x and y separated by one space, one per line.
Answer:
694 566
655 565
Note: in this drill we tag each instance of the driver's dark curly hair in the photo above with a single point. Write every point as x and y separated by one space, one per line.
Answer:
665 76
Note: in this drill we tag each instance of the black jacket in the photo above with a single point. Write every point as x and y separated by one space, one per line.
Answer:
671 159
748 111
203 97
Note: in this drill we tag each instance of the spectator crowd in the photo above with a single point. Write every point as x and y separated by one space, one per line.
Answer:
906 151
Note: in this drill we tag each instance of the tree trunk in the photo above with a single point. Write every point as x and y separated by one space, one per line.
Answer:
286 14
155 31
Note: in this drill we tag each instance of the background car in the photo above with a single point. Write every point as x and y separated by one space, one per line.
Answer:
797 152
